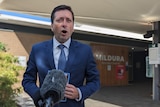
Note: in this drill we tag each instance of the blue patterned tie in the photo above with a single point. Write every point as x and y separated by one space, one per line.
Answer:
62 58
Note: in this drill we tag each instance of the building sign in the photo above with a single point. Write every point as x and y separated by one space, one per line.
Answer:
113 58
111 62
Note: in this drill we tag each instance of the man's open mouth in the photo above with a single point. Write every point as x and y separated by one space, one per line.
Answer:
64 31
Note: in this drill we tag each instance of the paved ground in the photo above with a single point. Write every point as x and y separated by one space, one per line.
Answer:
24 101
133 95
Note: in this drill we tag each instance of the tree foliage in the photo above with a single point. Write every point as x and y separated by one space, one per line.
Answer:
2 47
9 71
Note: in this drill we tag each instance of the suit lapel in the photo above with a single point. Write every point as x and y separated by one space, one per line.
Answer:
49 50
71 56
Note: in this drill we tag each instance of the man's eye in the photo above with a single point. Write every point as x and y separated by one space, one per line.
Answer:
69 21
59 20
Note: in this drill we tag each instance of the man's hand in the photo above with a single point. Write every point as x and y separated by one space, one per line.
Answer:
71 92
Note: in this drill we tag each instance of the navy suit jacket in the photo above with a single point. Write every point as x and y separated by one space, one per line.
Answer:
80 65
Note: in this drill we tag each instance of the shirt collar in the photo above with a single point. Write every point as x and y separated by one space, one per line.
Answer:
56 43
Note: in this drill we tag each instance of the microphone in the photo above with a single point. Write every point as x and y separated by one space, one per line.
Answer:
53 87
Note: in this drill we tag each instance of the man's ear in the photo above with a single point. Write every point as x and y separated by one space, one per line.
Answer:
52 27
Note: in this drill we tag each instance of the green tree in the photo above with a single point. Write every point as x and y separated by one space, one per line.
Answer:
9 71
2 47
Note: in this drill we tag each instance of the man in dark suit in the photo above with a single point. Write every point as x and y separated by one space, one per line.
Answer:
79 64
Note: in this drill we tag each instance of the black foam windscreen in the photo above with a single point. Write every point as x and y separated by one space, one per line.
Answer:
54 85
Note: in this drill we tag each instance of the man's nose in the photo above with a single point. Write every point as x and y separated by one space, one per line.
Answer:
64 23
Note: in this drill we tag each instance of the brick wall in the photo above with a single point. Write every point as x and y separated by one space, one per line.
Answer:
20 43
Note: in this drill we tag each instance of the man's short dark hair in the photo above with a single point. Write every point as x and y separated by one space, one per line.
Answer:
61 7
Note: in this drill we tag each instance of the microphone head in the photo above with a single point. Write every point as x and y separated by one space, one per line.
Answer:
54 85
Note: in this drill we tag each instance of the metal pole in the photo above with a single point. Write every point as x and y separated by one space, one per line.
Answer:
156 74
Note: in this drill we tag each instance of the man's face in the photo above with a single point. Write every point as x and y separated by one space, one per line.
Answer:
62 25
